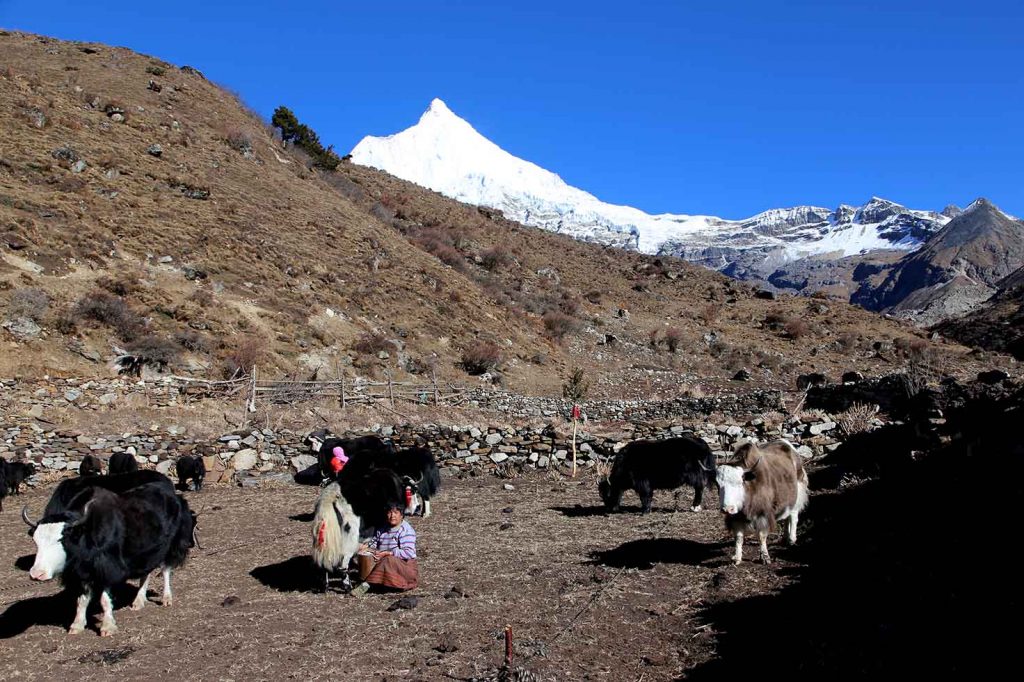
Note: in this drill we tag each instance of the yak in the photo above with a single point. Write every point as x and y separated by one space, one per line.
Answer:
91 466
762 485
649 465
190 468
104 538
122 463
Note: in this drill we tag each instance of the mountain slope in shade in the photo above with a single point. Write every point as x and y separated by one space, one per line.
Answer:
956 270
444 153
997 324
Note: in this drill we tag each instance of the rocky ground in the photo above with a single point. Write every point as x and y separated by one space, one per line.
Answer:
589 595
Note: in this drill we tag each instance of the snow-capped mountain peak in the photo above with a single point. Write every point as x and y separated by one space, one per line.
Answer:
443 152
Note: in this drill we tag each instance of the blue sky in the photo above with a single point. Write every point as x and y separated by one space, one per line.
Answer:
726 108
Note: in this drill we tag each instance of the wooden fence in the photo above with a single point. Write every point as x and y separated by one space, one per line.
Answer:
345 390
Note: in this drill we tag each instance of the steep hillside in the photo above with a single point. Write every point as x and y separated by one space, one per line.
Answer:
997 324
144 208
956 269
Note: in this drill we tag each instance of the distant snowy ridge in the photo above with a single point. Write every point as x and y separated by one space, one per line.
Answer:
444 153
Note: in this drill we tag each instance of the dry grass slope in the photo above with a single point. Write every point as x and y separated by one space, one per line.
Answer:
272 260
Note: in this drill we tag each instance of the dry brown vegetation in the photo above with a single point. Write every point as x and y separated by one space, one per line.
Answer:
262 246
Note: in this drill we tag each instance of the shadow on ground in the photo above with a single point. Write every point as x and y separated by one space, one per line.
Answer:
901 574
645 554
297 574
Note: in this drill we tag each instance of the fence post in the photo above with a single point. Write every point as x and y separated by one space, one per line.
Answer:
252 391
343 390
433 378
391 391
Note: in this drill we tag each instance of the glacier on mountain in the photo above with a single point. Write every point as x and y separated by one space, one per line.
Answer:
444 153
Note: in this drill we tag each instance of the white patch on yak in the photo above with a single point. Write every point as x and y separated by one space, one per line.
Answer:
50 556
315 444
730 488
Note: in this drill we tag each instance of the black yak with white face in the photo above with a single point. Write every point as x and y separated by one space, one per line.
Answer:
649 465
103 538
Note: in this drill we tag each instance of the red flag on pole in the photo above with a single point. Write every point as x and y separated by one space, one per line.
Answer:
575 411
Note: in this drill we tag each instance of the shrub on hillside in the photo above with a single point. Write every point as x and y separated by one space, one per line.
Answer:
28 302
796 328
239 140
372 343
123 285
481 357
105 308
192 340
154 350
495 257
709 312
557 325
250 351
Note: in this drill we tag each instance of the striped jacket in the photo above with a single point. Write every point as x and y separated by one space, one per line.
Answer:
400 541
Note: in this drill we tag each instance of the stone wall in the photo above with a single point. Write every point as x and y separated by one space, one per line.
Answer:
257 455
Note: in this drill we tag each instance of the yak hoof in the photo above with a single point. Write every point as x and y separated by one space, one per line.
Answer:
76 630
108 630
696 508
168 600
137 605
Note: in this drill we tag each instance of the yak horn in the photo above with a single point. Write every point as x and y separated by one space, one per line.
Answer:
702 466
756 463
24 517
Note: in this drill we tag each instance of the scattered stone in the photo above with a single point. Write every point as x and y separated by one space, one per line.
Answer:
66 154
509 487
742 375
409 602
244 460
23 328
230 601
78 166
155 150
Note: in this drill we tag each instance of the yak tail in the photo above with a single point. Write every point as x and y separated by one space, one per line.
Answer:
334 528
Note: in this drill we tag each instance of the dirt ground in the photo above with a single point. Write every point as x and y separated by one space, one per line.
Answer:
589 596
